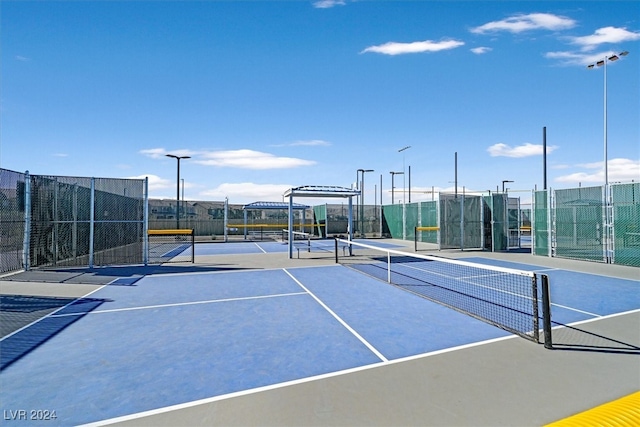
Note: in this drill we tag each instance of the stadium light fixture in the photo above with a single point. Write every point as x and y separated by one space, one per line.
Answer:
393 185
178 158
504 181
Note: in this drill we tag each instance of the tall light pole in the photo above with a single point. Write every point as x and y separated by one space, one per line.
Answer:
404 196
603 63
607 193
178 187
504 181
393 185
363 171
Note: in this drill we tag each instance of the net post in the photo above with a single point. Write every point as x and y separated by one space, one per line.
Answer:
335 240
193 247
415 239
388 267
536 302
546 312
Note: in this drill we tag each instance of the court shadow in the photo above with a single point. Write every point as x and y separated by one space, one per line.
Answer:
28 323
105 275
576 339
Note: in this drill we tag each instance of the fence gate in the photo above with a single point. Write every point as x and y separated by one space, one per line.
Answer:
461 222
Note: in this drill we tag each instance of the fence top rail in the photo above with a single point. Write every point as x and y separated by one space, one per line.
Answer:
170 232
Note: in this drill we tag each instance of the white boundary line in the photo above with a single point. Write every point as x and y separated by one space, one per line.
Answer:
260 247
342 322
609 316
208 400
178 304
53 313
576 310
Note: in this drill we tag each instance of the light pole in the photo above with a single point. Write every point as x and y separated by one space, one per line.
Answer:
393 185
504 181
607 193
404 197
178 187
603 63
363 171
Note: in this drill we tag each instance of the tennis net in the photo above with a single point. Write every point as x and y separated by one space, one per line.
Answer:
507 298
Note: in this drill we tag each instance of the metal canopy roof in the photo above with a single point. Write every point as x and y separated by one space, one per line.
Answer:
321 191
273 205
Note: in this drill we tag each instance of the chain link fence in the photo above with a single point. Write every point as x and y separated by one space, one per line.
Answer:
579 223
54 221
12 220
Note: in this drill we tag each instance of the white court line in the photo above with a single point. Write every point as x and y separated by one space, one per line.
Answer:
609 316
575 309
179 304
52 314
257 390
260 247
349 328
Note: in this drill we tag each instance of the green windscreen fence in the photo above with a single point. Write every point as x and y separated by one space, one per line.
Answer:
579 223
626 223
428 218
540 226
392 220
320 219
461 221
412 220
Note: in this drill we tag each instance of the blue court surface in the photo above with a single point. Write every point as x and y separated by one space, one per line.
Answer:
170 339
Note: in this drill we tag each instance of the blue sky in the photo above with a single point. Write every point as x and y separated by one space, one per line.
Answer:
268 95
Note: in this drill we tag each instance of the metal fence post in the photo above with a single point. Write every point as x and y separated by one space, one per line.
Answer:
26 244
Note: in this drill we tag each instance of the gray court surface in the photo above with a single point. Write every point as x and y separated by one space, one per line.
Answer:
504 381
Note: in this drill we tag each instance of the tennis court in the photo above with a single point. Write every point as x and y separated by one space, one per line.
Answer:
247 336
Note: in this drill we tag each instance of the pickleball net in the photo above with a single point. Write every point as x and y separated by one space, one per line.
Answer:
507 298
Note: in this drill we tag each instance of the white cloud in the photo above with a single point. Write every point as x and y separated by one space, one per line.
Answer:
481 50
243 159
250 159
155 182
585 55
394 48
532 21
619 170
311 143
60 155
248 191
573 58
525 150
605 35
22 58
157 153
326 4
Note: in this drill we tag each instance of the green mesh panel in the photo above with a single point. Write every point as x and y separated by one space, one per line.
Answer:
472 222
626 222
540 224
579 216
320 218
429 218
393 219
451 228
411 220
